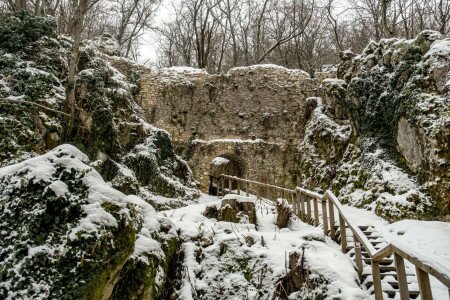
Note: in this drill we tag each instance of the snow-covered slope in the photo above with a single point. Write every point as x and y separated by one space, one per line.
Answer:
224 260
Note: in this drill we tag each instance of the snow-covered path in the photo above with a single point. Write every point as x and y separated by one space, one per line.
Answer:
322 256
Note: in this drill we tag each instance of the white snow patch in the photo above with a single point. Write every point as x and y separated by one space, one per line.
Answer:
218 161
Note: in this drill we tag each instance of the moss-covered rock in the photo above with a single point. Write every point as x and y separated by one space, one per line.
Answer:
18 31
389 154
77 238
68 244
109 126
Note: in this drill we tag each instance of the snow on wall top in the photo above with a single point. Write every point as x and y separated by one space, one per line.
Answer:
182 70
268 68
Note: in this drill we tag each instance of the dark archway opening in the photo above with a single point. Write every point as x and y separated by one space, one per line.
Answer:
227 163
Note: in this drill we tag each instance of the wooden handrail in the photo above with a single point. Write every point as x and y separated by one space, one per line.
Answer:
441 273
355 229
258 183
401 252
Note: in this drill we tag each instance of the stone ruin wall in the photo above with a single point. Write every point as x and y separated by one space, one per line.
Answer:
254 113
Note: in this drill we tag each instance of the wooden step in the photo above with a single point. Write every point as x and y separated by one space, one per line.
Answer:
384 269
383 262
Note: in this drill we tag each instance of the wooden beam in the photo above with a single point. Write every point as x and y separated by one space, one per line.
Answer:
343 234
324 217
302 206
401 276
413 257
376 277
424 284
308 209
298 195
331 210
358 255
316 212
294 203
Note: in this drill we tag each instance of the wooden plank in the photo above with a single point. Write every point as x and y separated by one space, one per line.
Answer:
316 212
358 255
324 217
401 276
424 284
331 211
294 203
376 280
302 205
343 234
308 209
298 201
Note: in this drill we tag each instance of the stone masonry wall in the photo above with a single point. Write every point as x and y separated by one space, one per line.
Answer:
256 113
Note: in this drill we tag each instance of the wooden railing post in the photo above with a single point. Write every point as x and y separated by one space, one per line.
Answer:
358 255
222 185
376 277
401 276
331 209
238 187
294 202
246 189
299 207
316 212
324 216
424 284
343 234
302 205
229 185
308 208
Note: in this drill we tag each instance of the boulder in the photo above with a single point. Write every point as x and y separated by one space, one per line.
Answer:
234 207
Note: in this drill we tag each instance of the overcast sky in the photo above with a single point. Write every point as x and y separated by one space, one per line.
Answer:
165 13
149 47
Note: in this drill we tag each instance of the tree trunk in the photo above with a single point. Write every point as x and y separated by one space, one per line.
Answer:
77 29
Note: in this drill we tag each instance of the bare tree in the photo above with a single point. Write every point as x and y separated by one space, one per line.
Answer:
133 18
76 29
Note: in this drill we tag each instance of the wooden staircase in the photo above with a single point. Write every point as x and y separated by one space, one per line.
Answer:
387 270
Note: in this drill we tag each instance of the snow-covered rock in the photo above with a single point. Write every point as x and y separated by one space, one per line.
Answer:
66 233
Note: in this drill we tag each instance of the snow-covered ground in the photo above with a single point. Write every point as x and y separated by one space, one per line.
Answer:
265 260
430 240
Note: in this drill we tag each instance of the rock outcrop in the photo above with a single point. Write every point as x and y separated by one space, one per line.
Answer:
380 134
65 233
109 125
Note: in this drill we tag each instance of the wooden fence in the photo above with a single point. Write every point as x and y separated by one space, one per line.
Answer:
306 206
